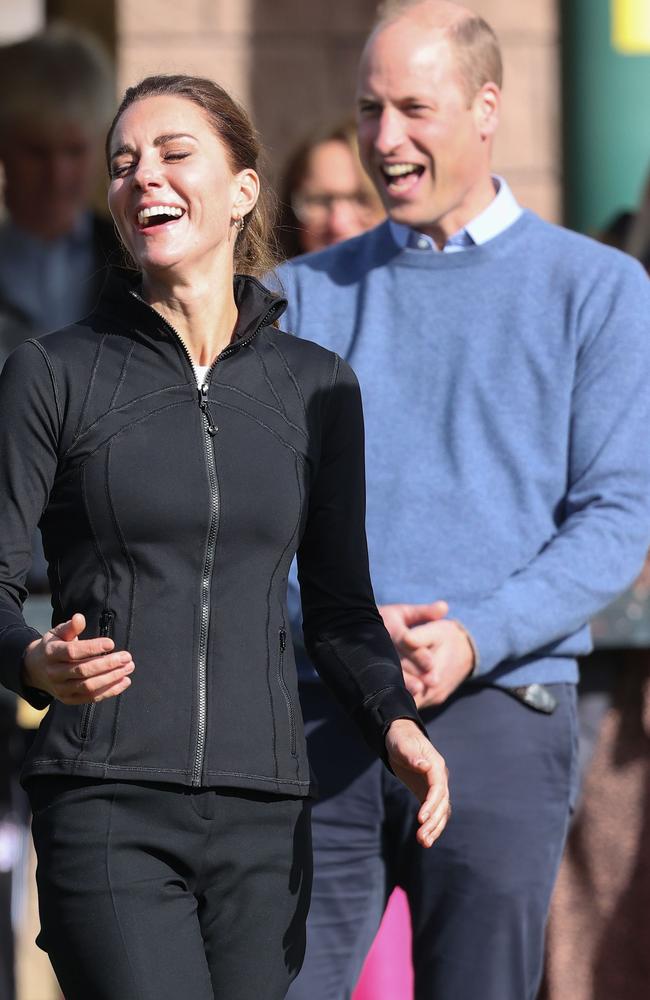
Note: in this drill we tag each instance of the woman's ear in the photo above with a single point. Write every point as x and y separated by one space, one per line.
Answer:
247 192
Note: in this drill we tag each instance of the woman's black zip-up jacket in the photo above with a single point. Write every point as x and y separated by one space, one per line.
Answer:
170 516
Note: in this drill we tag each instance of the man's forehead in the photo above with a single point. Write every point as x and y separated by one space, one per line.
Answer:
401 56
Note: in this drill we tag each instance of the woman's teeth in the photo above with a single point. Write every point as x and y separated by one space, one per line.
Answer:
169 211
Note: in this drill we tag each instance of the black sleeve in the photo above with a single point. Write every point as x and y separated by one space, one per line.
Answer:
29 430
344 632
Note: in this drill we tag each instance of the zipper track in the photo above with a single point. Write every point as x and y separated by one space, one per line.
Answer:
285 691
209 430
105 629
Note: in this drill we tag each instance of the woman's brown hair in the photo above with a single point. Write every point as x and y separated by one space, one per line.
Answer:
255 249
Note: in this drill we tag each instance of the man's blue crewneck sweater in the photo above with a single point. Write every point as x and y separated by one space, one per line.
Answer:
506 394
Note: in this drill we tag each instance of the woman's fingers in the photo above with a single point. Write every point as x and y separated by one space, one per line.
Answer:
79 649
97 688
423 770
69 670
108 690
437 818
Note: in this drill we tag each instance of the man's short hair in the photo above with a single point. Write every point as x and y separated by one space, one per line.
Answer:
474 41
61 72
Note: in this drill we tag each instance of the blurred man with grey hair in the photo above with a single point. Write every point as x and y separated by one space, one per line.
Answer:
56 99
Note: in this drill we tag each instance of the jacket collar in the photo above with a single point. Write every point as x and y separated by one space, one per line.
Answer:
120 300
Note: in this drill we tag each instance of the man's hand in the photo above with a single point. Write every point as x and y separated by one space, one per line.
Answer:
398 619
421 768
443 656
73 670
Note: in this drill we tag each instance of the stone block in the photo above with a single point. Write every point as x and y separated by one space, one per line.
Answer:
528 18
226 62
529 135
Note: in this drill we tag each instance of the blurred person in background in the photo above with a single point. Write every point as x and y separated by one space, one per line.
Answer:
597 935
325 194
56 98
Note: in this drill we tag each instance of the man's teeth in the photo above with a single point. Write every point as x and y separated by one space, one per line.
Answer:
399 169
171 210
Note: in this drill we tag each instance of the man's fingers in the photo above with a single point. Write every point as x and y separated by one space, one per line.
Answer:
419 614
413 685
421 635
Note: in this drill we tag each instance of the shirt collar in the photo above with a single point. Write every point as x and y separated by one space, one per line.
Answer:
499 215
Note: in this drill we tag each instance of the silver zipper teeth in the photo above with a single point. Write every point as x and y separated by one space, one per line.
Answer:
285 691
205 602
208 431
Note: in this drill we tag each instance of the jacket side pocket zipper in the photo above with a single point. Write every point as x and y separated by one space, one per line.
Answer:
285 692
105 630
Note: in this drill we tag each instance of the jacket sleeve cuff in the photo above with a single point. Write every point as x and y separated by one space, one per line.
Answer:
376 713
14 643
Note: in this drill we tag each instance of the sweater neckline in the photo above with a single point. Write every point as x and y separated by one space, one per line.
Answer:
471 257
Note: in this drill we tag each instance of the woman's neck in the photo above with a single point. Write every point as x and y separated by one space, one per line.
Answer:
201 308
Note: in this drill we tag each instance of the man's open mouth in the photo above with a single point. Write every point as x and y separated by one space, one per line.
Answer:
401 176
158 215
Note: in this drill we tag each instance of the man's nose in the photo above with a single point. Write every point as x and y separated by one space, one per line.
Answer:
389 133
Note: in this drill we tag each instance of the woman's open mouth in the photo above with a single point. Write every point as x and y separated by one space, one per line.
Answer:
158 215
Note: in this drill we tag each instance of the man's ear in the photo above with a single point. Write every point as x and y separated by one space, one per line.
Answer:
487 107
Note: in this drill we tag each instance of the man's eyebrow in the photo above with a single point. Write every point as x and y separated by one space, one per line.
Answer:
160 140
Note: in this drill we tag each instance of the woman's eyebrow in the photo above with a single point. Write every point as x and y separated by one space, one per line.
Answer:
160 140
169 136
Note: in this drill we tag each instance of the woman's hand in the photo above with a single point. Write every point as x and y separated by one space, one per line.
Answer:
73 670
420 767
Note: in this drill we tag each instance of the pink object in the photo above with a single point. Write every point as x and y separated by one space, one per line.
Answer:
387 973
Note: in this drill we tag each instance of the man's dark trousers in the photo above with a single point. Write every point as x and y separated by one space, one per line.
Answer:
479 897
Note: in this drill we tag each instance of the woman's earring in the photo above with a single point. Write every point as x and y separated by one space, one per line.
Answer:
239 223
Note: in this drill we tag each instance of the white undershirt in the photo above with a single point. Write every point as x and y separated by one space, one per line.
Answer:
201 371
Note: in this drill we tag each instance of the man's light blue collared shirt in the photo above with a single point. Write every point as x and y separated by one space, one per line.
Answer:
502 211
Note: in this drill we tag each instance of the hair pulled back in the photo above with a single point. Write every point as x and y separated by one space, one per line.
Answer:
255 248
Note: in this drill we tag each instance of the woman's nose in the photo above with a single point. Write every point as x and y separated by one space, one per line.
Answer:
146 175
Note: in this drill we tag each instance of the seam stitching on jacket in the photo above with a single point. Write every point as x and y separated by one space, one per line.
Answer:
41 761
55 386
120 381
131 402
130 563
268 610
267 379
260 402
278 437
290 373
330 388
129 427
91 383
338 657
